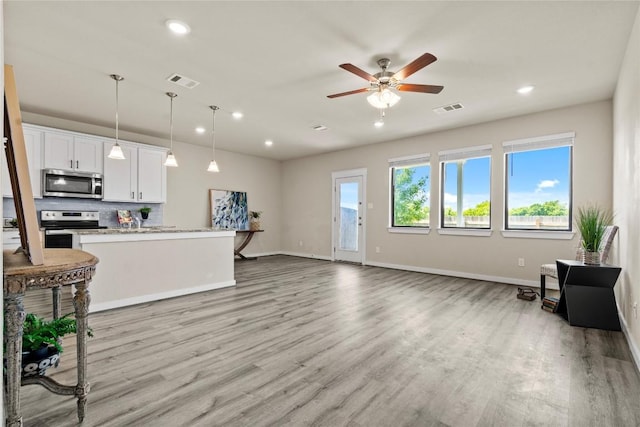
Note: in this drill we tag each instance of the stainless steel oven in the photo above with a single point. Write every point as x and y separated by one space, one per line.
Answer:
58 226
61 183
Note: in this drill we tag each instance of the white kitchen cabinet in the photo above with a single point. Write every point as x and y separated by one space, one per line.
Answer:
33 144
140 177
152 175
68 151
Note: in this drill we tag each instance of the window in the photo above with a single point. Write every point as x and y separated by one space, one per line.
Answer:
538 183
465 189
410 183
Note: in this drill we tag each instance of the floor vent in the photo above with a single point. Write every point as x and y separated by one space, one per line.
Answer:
448 108
183 81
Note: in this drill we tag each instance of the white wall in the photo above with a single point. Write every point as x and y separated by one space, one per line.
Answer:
188 188
306 191
626 186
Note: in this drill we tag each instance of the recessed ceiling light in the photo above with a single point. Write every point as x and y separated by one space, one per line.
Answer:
379 124
319 127
268 143
237 115
200 129
525 89
178 27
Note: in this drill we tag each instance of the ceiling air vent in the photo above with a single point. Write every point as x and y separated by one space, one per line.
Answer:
183 81
448 108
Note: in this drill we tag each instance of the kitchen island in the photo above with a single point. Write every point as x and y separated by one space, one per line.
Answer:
147 264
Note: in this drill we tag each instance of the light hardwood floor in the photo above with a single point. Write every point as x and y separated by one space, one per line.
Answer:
304 342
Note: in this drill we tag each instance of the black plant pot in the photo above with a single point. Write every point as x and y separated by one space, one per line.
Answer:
35 363
144 215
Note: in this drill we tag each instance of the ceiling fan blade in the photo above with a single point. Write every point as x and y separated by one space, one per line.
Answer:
351 92
419 88
358 72
416 65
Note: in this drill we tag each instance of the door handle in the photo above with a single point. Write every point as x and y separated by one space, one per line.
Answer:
141 195
133 195
77 164
71 164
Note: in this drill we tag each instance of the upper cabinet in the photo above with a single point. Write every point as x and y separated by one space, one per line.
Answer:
33 144
141 177
72 152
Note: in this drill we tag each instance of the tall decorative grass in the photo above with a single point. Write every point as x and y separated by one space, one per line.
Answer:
592 221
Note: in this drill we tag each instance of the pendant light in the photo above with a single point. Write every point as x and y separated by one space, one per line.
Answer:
213 166
116 151
171 159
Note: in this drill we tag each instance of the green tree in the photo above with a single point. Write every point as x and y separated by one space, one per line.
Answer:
450 212
550 208
410 198
481 209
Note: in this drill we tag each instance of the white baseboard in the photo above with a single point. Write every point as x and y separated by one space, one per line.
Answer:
633 346
499 279
303 255
93 308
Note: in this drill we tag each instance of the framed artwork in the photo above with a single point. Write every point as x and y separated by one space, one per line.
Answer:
124 216
229 210
19 172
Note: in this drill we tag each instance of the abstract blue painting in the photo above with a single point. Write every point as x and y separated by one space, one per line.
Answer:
229 210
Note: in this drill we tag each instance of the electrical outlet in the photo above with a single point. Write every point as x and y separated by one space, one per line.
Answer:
635 310
377 249
300 243
520 262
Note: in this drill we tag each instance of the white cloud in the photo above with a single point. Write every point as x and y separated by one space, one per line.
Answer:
547 183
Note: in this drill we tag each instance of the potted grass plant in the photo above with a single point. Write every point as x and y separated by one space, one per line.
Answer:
592 221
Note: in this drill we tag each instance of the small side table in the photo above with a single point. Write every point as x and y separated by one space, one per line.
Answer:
586 294
62 267
247 238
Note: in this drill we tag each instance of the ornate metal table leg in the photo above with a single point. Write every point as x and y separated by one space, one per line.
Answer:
56 301
13 320
81 301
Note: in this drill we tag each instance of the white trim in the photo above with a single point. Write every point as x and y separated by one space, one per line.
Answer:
303 255
93 308
538 234
633 346
409 230
416 159
465 153
539 142
486 278
481 232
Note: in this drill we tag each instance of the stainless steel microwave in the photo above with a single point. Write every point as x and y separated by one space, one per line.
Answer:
61 183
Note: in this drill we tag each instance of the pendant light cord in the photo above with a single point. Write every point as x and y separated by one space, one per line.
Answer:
171 124
117 106
213 133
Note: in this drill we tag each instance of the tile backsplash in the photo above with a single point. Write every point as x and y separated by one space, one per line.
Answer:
107 210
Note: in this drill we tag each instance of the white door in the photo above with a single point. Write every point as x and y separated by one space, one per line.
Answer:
58 151
348 218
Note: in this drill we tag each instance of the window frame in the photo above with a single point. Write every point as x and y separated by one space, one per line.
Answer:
467 153
423 159
566 139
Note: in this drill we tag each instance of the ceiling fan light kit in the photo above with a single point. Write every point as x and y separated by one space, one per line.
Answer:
382 82
384 98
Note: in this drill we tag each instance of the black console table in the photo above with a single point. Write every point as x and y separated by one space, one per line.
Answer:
586 294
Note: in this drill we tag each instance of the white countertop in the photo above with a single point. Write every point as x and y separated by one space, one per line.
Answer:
148 233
